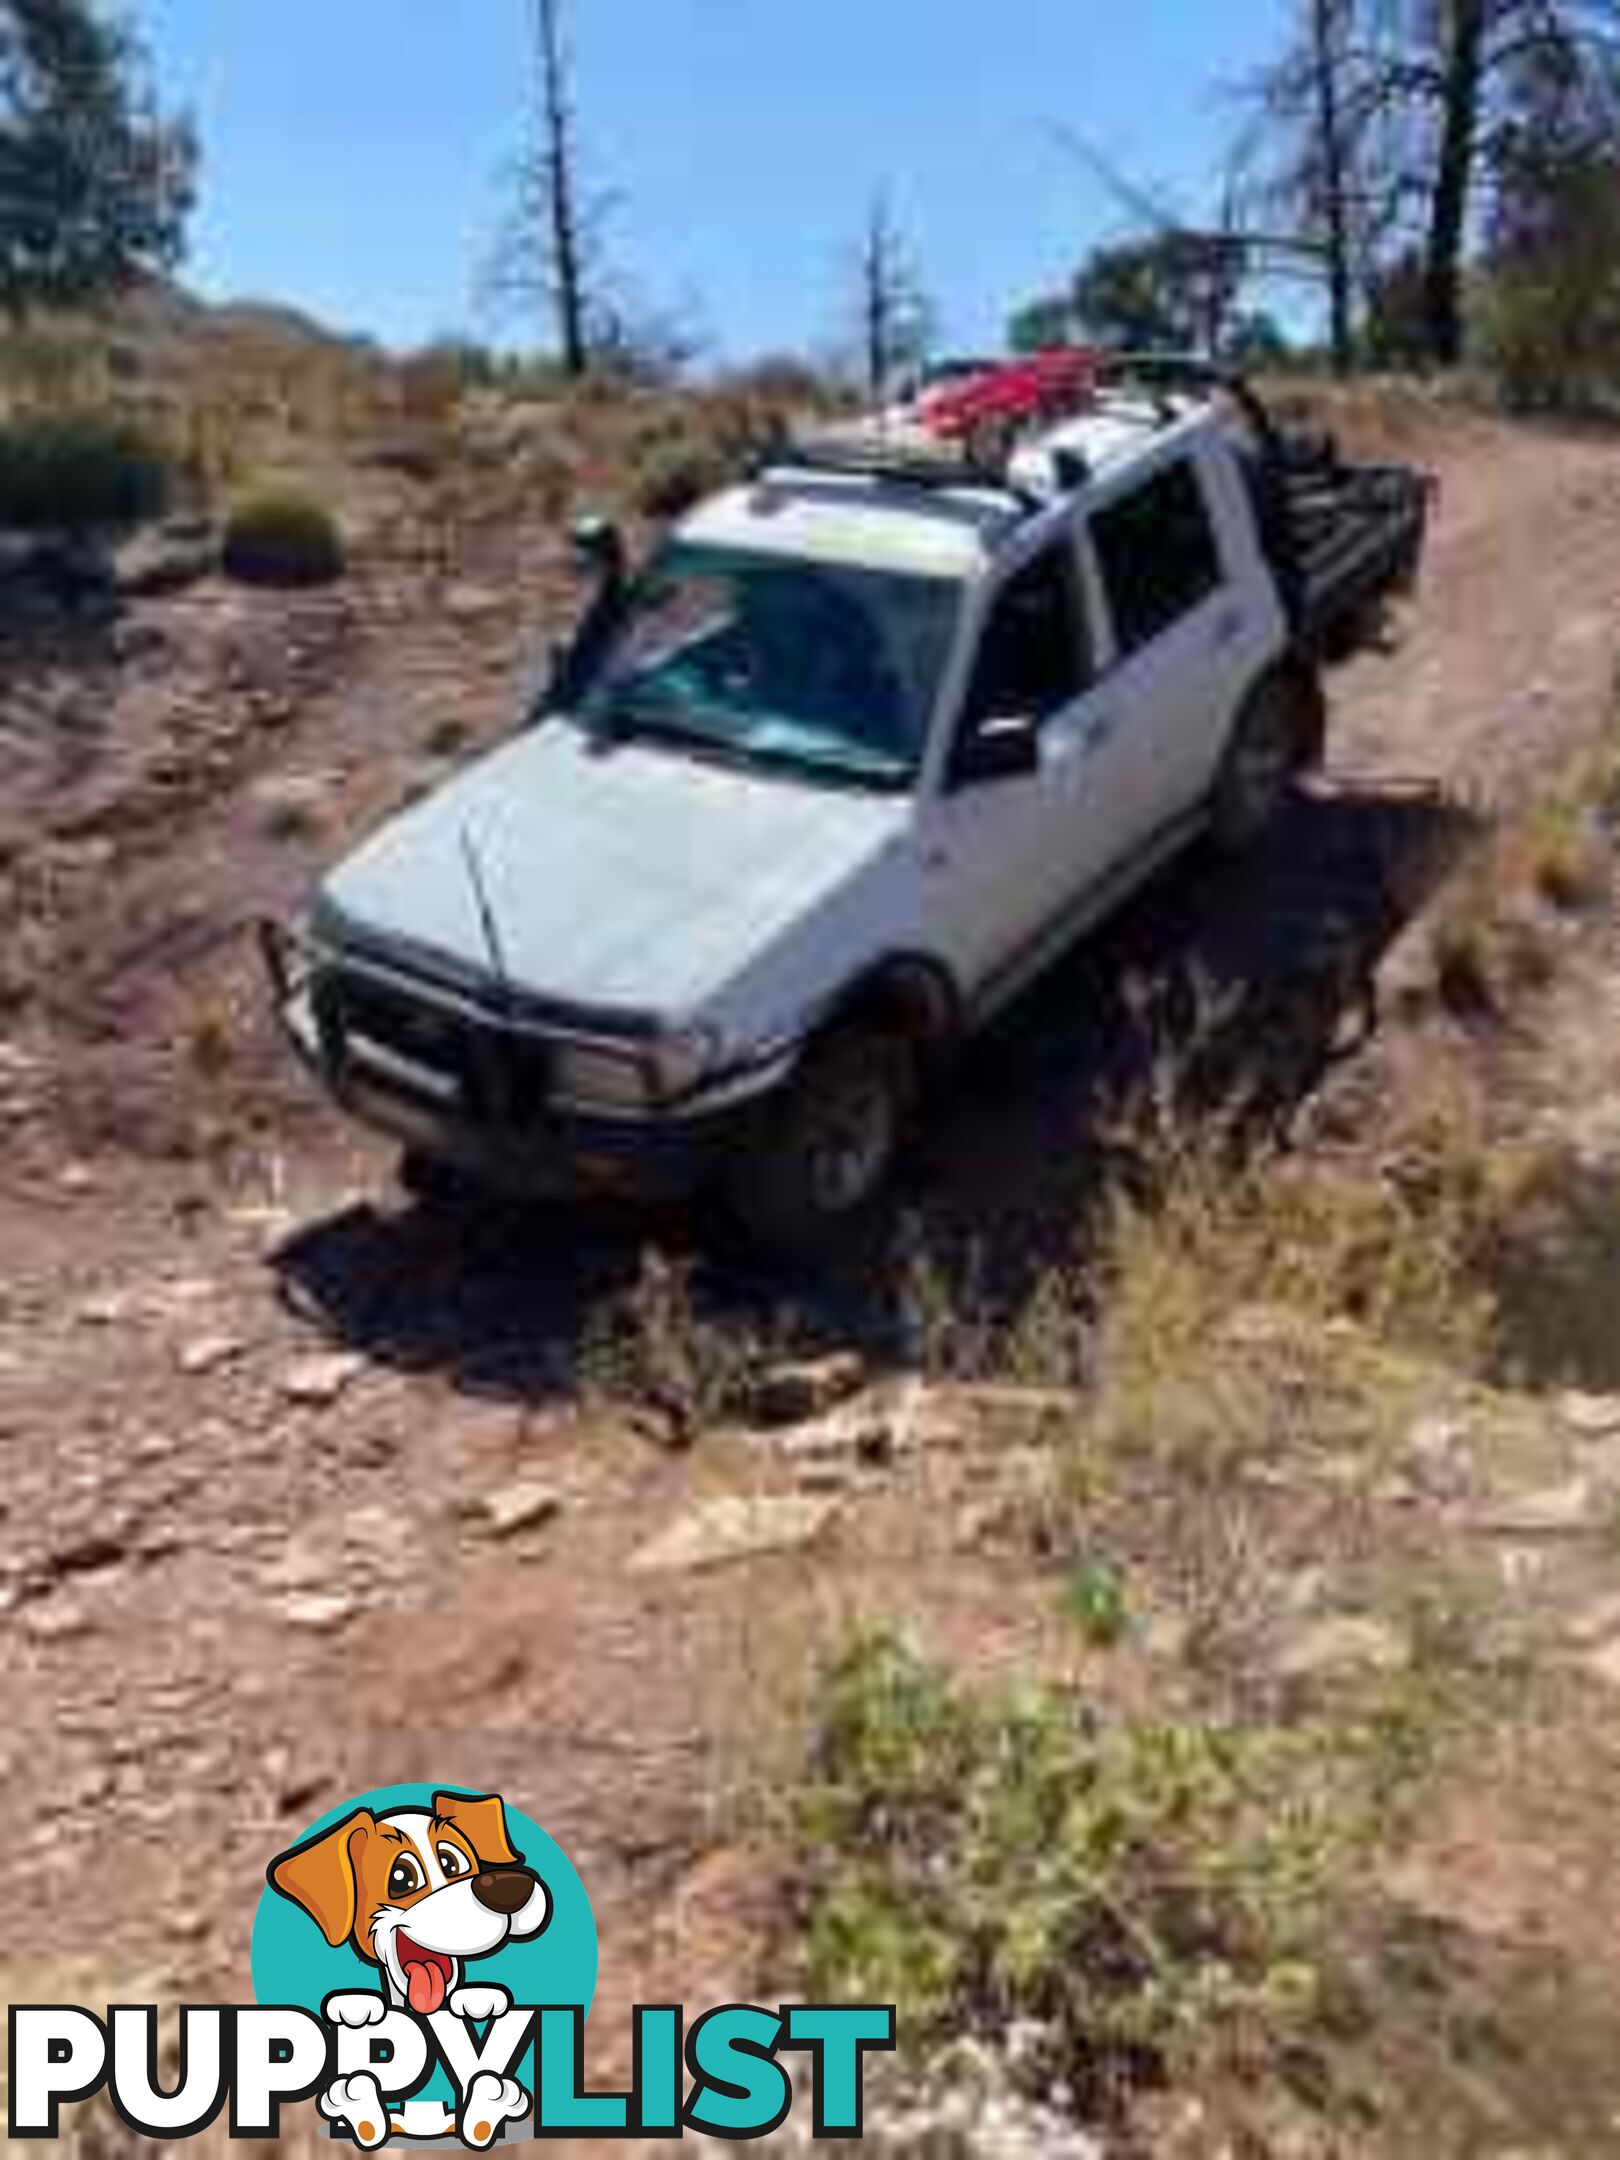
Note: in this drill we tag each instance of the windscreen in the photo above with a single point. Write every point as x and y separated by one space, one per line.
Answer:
829 669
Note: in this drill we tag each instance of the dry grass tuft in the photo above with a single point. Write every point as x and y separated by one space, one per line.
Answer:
1237 1293
657 1347
1495 935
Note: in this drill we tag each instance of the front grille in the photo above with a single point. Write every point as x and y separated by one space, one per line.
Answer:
488 1072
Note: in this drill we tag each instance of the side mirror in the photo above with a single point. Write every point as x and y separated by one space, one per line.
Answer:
1006 746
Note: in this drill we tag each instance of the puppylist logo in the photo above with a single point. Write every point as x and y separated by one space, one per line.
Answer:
424 1962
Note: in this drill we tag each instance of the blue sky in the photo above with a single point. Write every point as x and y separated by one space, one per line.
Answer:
353 148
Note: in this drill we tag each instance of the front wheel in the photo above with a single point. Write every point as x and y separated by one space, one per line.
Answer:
1269 746
431 1181
820 1161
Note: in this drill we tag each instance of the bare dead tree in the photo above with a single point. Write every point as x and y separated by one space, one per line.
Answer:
1311 154
1552 250
558 151
1463 65
1328 23
1190 277
1452 74
550 253
1471 65
896 316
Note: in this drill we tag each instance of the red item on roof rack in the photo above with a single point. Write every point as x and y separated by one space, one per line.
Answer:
1047 386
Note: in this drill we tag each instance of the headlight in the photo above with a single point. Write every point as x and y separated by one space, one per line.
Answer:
683 1060
598 1077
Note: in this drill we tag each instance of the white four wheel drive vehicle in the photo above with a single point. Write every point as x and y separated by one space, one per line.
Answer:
862 747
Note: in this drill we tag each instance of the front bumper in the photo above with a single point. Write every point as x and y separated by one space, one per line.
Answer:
461 1084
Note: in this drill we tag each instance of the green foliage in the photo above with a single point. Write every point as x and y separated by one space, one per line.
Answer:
1161 293
1167 293
1257 340
433 380
1398 332
282 537
1549 304
94 187
1097 1601
1042 323
674 472
1012 1860
78 472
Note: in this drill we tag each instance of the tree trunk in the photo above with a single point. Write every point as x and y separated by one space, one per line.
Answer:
561 207
876 302
1455 170
1335 184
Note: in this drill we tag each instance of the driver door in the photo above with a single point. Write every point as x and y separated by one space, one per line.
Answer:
1009 859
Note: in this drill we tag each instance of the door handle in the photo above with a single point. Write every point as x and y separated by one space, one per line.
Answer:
1101 731
1228 627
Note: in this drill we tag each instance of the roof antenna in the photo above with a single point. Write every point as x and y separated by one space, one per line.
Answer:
486 916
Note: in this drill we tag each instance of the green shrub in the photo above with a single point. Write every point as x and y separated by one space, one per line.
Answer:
282 537
77 472
674 473
1011 1860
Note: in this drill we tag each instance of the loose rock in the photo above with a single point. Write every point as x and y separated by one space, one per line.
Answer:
1603 1663
58 1621
864 1432
209 1354
294 802
320 1615
716 1532
1594 1417
1438 1460
469 603
1567 1510
317 1382
166 559
524 1505
1594 1624
793 1394
1342 1647
109 1309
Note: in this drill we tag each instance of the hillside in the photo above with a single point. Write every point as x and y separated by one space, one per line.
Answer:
1316 1464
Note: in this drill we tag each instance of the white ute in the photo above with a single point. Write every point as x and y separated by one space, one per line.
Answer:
863 746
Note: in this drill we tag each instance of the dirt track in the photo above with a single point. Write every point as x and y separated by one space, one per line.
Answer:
223 1609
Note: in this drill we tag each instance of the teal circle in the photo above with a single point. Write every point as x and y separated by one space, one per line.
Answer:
293 1963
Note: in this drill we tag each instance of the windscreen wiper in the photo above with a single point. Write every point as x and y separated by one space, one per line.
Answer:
627 725
879 776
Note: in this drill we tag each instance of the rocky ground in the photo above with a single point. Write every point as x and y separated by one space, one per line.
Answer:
298 1493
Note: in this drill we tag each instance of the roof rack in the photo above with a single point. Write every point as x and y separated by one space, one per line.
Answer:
876 451
964 432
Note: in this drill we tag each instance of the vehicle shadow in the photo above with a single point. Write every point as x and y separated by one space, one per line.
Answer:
1254 980
1248 982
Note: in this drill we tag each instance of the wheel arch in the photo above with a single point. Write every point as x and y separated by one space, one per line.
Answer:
908 991
1297 674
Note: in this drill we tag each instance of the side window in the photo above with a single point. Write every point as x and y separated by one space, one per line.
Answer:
1156 550
1034 656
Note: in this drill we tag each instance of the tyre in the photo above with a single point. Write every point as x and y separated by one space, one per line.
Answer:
431 1181
821 1159
1269 747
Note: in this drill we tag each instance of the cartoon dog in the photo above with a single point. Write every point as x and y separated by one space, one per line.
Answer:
418 1893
